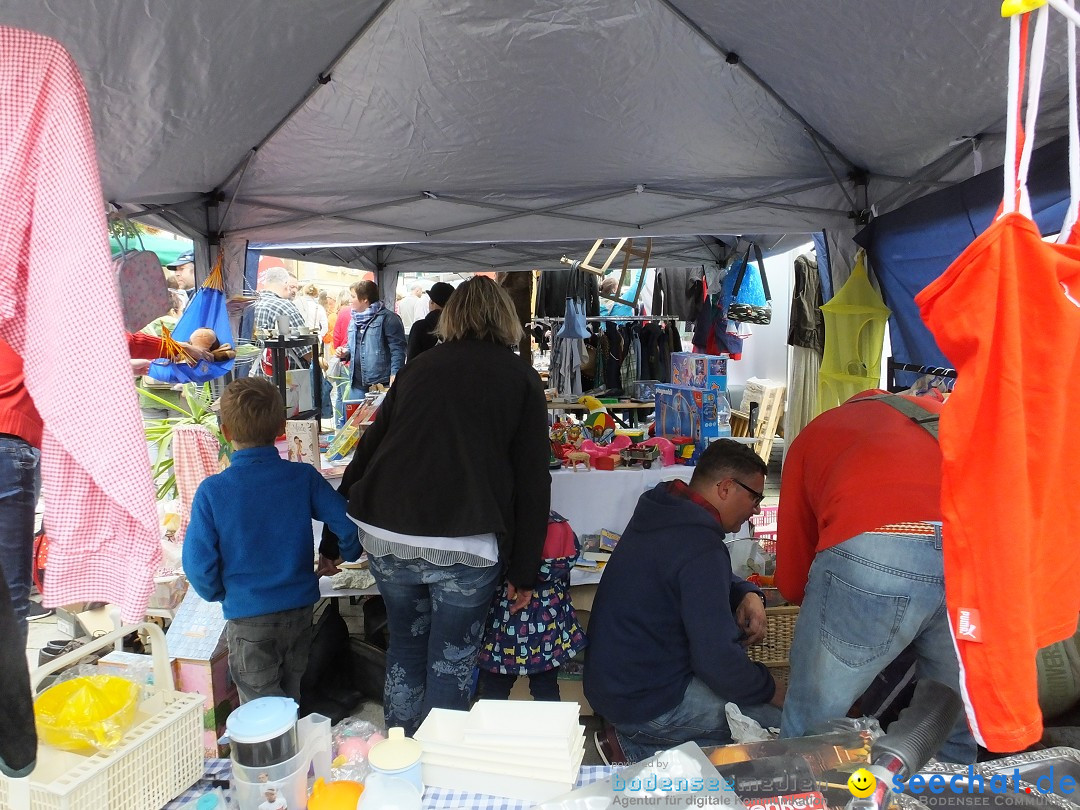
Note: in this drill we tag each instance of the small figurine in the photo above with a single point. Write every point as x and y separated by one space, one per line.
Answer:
574 457
600 424
573 434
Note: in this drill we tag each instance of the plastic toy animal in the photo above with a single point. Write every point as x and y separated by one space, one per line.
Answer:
576 456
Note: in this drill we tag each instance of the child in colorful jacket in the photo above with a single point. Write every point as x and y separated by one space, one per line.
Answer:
542 636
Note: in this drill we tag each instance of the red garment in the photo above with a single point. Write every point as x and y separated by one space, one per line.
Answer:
95 470
680 489
18 416
1007 314
145 347
341 327
853 469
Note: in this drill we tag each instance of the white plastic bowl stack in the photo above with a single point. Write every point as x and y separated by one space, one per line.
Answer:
519 749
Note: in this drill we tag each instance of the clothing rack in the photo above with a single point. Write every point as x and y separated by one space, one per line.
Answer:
615 318
935 371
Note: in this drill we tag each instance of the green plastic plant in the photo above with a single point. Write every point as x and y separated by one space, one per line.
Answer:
159 432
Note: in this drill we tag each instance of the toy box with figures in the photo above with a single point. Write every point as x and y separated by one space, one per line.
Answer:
683 412
706 371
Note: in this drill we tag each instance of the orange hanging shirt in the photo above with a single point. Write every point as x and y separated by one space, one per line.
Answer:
1007 314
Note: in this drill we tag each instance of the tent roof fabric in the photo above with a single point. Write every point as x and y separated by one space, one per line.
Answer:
444 122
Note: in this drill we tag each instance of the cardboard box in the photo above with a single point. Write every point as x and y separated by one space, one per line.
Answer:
302 440
74 621
67 623
197 643
705 371
685 412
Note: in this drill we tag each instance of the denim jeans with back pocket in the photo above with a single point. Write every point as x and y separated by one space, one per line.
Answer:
19 487
867 600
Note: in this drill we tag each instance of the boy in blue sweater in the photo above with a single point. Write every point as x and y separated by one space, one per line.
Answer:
249 544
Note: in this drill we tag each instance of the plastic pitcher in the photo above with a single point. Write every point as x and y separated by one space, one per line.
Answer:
288 780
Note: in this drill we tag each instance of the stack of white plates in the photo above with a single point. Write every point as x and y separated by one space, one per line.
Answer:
518 749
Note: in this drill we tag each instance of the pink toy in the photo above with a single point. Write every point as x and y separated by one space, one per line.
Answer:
353 748
667 449
596 451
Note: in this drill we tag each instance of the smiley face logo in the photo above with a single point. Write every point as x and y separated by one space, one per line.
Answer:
861 783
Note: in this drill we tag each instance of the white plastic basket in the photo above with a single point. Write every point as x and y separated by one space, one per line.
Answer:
159 758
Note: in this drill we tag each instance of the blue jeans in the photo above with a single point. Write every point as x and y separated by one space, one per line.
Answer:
19 488
435 615
700 717
867 600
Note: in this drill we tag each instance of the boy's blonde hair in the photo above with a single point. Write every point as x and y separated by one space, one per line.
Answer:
252 411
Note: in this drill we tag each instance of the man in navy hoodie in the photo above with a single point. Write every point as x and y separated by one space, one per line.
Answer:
670 621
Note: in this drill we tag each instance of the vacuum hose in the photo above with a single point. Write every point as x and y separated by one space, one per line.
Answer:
921 728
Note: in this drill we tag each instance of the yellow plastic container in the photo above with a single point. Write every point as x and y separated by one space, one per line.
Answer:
86 714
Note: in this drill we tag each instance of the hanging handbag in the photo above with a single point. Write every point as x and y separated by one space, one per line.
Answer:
573 325
141 284
746 312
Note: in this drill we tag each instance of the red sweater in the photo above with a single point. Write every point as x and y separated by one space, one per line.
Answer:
18 416
853 469
341 327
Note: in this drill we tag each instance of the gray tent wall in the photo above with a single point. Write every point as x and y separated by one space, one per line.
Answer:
393 122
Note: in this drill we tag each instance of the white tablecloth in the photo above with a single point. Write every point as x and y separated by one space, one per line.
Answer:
605 499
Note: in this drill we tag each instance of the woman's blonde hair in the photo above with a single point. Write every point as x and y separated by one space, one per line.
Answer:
480 309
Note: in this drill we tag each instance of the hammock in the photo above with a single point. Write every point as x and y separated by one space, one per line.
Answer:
206 309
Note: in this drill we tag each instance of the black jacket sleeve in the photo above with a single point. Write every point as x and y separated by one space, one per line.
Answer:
532 488
365 448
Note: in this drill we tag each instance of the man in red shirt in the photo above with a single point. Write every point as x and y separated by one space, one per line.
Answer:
859 546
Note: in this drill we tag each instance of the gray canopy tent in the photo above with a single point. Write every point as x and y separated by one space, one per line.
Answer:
457 135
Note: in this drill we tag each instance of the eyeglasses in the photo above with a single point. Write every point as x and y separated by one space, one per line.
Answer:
757 496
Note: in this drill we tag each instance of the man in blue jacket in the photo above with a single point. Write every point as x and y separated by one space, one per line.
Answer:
670 621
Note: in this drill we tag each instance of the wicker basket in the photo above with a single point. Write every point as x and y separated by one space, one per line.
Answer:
775 651
159 758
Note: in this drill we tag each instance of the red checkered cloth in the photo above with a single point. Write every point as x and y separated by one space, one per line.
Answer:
95 469
195 457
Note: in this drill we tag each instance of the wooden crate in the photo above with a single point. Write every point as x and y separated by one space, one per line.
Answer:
770 398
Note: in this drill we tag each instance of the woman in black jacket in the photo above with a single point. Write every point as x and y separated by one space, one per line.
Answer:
451 488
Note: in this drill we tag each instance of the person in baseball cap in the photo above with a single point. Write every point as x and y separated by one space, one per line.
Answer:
422 335
184 267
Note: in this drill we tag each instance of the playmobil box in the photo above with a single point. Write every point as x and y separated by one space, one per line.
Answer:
686 412
708 371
